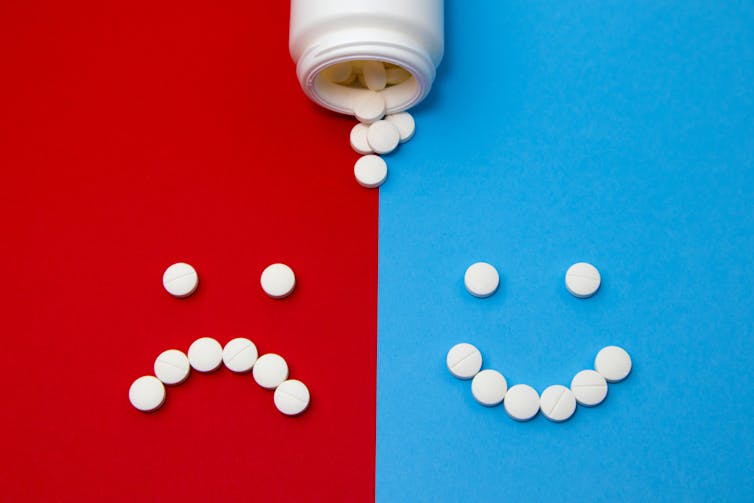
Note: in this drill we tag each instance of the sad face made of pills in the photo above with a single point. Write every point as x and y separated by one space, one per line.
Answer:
270 371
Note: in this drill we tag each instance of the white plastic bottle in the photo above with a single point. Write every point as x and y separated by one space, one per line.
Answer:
405 33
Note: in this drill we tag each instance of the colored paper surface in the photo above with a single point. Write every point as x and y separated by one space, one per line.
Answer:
138 134
616 133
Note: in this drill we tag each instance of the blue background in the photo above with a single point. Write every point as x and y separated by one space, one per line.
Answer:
618 133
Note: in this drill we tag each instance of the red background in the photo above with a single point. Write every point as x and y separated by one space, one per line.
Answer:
134 135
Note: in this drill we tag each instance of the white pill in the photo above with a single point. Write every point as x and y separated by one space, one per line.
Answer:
582 280
370 171
489 387
180 280
340 72
383 137
270 370
350 80
404 121
589 388
464 360
147 393
557 403
375 77
481 279
360 80
369 107
278 281
613 363
239 355
396 75
171 367
205 354
359 139
291 397
521 402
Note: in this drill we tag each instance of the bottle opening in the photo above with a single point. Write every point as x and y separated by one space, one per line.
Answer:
341 84
366 74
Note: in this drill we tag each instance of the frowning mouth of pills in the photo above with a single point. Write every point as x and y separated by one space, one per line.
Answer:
172 367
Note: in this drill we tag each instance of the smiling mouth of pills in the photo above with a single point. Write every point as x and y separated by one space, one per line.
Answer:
522 402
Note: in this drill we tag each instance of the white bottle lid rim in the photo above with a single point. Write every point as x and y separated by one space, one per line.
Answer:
340 98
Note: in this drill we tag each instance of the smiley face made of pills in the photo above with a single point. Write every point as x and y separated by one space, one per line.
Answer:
270 371
522 402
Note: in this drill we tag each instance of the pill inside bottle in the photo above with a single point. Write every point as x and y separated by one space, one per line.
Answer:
349 84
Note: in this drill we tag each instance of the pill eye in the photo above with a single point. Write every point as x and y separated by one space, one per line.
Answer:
481 279
278 281
582 280
180 280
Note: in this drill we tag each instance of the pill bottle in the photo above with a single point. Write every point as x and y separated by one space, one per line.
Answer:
403 34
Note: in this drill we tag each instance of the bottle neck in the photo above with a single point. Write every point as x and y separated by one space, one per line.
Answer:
352 45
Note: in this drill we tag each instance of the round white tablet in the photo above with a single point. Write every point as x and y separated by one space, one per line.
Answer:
557 403
205 354
396 75
359 139
278 281
147 393
481 279
521 402
589 388
613 363
180 280
339 72
370 171
369 107
383 137
291 397
375 76
270 370
239 355
171 367
404 121
360 80
464 360
582 280
489 387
